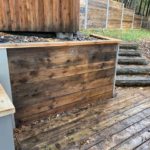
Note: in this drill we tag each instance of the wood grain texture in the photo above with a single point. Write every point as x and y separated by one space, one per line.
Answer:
118 123
115 13
128 18
50 79
97 15
39 15
6 106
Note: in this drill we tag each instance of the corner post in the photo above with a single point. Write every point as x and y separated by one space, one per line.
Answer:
6 133
4 72
5 76
117 54
7 109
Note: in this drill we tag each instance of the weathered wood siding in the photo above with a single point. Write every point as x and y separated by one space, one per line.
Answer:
96 13
107 14
39 15
52 79
146 22
128 18
82 13
115 14
137 21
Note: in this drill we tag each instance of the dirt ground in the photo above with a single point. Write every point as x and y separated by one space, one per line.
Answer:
144 46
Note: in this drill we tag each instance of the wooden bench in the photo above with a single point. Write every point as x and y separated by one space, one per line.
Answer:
6 125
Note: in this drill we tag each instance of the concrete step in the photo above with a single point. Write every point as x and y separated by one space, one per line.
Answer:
132 61
133 70
123 80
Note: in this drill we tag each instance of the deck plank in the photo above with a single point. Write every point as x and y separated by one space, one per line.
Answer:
121 139
109 124
144 146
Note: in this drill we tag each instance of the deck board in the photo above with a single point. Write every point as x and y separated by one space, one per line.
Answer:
119 123
145 146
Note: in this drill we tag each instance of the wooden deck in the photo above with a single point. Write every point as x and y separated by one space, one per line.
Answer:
121 123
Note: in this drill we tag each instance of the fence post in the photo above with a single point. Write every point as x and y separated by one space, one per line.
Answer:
133 20
86 14
107 13
122 15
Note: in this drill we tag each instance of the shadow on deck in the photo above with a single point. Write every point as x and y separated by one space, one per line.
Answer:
121 123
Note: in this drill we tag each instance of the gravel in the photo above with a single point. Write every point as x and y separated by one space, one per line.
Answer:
12 37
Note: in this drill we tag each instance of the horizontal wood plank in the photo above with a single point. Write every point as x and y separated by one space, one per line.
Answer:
47 80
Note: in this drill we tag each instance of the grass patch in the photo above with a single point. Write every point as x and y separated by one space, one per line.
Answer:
125 34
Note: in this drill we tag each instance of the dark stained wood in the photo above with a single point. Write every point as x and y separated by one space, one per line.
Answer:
119 123
52 79
130 61
133 70
133 80
39 15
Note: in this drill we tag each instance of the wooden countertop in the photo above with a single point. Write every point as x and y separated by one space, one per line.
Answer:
6 106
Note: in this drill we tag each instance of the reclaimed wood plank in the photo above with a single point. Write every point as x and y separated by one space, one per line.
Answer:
85 132
6 106
47 15
87 114
54 104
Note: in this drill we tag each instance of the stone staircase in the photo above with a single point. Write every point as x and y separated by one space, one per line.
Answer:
133 69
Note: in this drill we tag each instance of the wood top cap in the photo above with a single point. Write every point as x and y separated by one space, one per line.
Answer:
6 106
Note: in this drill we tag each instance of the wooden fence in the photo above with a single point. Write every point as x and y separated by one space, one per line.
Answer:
39 15
107 14
146 22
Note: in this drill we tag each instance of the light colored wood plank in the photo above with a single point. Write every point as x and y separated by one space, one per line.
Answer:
6 106
59 44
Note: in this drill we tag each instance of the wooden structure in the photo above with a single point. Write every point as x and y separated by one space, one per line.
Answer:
39 15
107 14
146 22
6 106
52 77
121 123
6 126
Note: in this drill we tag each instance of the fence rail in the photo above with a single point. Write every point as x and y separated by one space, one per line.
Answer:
108 14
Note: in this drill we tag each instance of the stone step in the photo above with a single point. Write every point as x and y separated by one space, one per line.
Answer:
133 70
123 80
130 53
132 61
